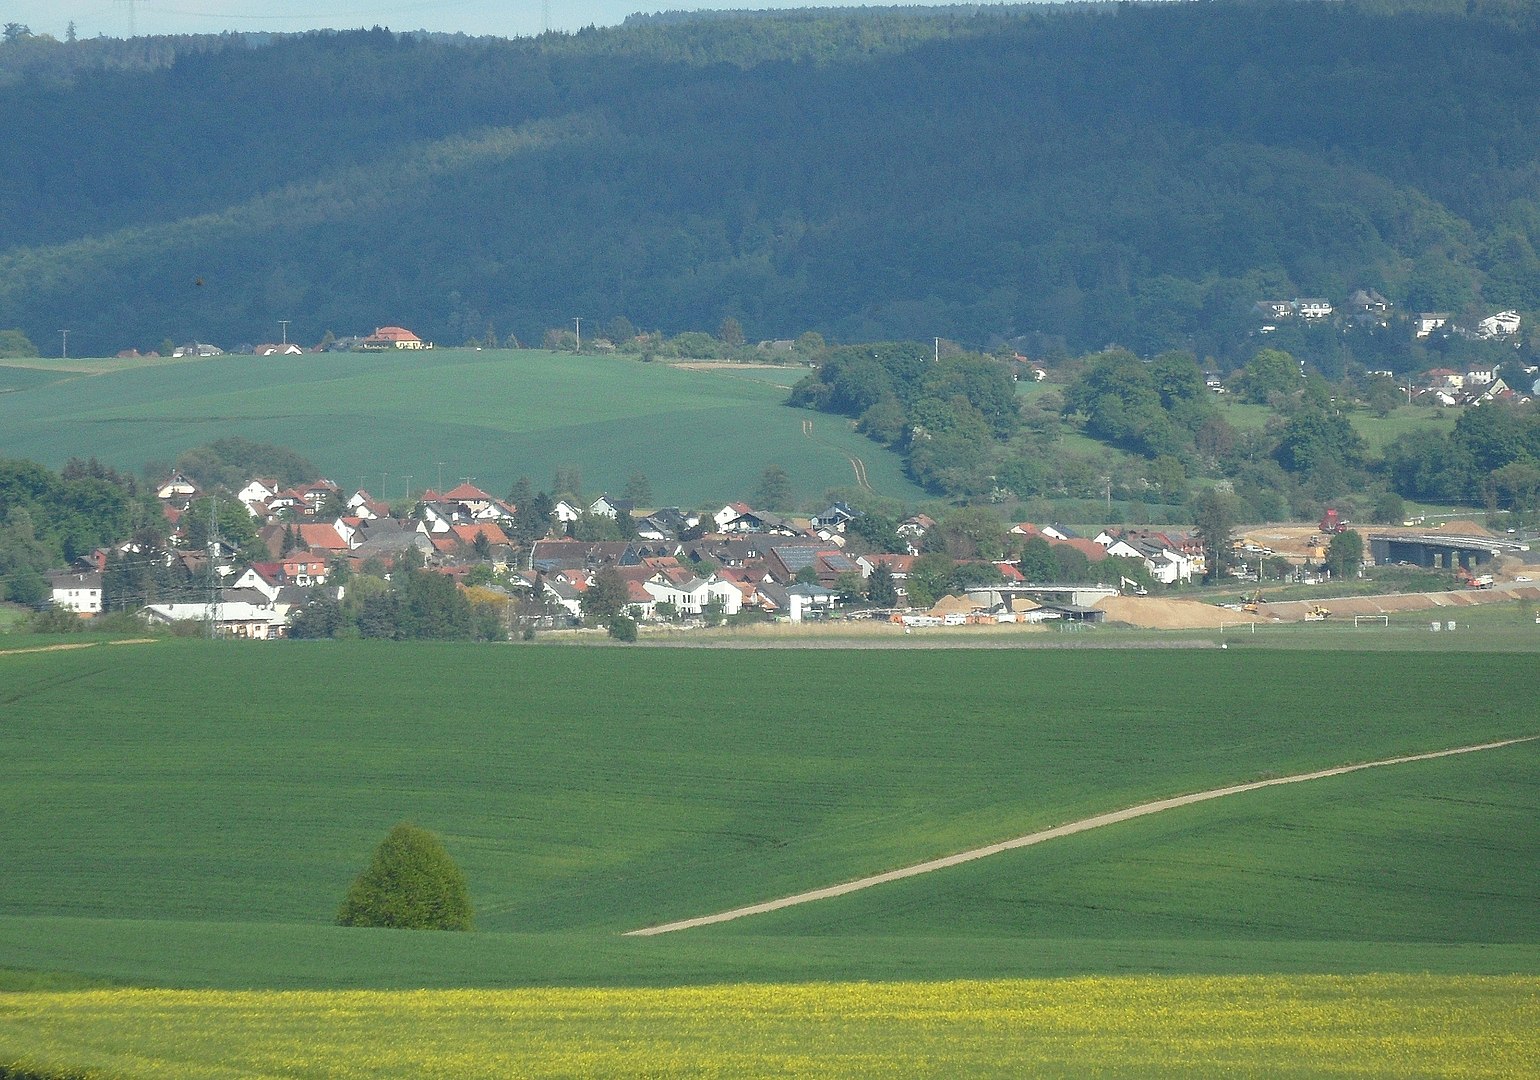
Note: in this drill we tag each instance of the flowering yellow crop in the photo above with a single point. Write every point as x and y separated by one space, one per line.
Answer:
1265 1026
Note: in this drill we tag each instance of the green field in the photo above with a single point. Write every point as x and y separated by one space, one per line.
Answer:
188 814
1376 431
590 791
377 418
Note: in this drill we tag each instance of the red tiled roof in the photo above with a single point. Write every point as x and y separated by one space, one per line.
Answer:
468 533
636 593
320 537
1089 548
466 493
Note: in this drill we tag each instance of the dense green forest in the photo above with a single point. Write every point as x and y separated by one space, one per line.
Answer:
1059 178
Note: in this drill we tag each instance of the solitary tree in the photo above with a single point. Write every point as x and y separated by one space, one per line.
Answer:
1345 554
606 598
411 884
639 489
774 491
1214 520
881 589
731 333
1037 562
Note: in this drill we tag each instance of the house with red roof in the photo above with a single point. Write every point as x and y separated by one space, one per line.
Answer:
467 534
393 337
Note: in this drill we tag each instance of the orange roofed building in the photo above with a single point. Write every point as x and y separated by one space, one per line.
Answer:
394 337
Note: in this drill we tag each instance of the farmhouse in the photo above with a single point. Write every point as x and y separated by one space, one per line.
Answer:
80 593
393 337
232 618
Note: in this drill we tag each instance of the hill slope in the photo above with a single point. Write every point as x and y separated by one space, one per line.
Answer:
212 825
1139 174
697 435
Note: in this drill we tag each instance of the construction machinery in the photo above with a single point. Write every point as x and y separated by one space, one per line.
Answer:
1129 587
1253 603
1333 523
1317 613
1475 581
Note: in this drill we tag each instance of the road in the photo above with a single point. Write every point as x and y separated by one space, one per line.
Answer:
1043 835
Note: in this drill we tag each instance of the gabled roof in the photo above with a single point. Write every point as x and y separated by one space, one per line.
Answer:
320 537
896 564
466 493
1090 548
467 533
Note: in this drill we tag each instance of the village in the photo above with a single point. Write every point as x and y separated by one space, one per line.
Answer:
672 566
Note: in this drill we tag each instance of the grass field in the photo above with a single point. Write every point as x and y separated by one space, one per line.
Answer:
1377 431
188 814
711 780
699 436
1125 1027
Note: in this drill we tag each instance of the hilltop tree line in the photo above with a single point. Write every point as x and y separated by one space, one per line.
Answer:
966 433
1138 174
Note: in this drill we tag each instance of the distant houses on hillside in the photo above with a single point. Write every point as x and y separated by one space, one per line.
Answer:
672 564
384 339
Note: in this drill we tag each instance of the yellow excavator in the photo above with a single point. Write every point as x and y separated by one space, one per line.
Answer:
1253 602
1317 613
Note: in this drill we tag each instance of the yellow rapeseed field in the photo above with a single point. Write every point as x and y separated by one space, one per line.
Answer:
1232 1026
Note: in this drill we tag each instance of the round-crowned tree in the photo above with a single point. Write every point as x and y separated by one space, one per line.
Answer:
411 884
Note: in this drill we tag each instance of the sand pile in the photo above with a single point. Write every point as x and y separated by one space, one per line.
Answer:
1151 613
1463 528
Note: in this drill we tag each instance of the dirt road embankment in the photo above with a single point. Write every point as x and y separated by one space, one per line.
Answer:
1151 613
1348 606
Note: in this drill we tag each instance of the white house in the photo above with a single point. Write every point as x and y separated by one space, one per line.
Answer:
1313 308
604 506
257 493
565 512
80 593
806 598
232 618
1429 321
691 597
1503 324
176 486
731 512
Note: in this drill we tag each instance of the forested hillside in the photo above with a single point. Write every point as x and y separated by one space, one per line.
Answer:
1067 178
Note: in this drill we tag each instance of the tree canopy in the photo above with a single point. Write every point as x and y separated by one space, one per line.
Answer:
411 883
1070 175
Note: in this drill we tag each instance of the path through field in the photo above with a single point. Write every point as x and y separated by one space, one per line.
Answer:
1054 833
856 464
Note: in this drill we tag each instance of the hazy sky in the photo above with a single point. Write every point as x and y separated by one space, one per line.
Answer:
506 18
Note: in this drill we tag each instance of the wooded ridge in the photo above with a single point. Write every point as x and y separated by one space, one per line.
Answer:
1065 178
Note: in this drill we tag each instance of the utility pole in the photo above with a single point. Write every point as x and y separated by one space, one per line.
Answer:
938 350
578 324
408 487
440 465
213 566
285 324
64 349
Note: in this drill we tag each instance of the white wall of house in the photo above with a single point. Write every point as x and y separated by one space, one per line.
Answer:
82 595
